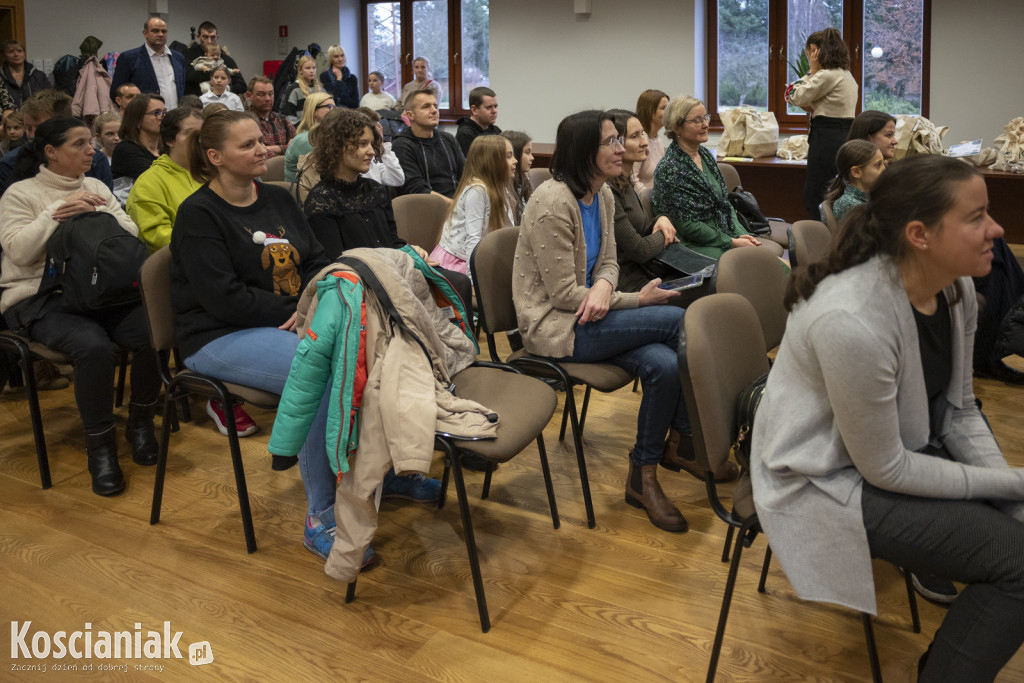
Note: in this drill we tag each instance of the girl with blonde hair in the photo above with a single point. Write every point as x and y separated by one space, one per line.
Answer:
483 201
313 111
305 84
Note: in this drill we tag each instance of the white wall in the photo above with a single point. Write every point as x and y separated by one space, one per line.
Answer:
547 62
326 23
977 84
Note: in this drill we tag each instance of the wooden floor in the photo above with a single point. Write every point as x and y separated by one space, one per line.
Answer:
621 602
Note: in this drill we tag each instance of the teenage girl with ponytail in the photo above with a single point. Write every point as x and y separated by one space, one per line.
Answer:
884 452
859 163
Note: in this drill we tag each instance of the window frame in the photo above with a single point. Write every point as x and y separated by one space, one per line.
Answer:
455 110
778 66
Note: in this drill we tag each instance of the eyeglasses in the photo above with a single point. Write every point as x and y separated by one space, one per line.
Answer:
697 120
156 113
610 142
325 105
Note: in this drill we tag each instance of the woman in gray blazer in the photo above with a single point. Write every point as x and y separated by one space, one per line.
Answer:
868 440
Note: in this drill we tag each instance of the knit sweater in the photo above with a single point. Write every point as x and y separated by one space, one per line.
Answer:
222 279
549 274
154 200
850 198
377 102
348 215
26 222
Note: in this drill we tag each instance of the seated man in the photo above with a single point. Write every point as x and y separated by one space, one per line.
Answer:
483 107
126 92
430 158
41 107
194 78
277 130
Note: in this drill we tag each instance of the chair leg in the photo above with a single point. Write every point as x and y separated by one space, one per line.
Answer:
764 569
869 635
29 377
636 384
565 415
444 481
912 599
350 592
122 374
728 543
547 480
730 585
583 413
487 481
161 458
236 462
577 437
467 530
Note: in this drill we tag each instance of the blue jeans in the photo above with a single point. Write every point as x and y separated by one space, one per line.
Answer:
261 357
642 341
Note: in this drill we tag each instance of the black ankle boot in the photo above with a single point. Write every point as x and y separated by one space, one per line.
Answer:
107 479
140 434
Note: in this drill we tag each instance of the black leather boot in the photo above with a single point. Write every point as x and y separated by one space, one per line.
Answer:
107 479
140 434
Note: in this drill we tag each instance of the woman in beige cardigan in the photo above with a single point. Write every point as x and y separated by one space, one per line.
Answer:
564 279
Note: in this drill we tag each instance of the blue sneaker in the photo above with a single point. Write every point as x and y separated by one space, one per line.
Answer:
414 487
318 538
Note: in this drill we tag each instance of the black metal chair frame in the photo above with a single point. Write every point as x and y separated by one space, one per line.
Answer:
452 466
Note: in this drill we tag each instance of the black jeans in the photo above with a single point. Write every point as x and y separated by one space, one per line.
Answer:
968 541
89 341
826 136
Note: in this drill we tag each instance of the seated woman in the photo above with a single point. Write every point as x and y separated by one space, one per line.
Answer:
858 165
522 188
155 196
689 188
52 189
638 238
878 128
346 209
483 201
140 136
884 452
313 111
564 278
338 80
650 110
303 86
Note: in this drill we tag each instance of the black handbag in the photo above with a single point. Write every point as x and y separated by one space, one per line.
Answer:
747 404
748 212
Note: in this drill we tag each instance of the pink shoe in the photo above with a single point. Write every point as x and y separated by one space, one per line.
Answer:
243 423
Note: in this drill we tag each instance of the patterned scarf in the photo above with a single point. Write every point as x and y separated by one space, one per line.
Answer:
690 191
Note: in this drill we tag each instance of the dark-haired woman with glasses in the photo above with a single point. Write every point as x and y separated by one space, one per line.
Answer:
689 187
140 136
564 279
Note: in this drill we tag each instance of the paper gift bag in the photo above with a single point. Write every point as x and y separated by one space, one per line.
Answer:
904 135
793 147
1010 145
762 134
731 142
917 135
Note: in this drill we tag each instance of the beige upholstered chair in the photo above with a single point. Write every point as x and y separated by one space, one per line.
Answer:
761 279
811 241
420 219
828 217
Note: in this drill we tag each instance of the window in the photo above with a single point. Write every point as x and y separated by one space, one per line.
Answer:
451 34
752 45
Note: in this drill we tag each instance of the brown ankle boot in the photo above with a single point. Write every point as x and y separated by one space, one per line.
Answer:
679 456
644 491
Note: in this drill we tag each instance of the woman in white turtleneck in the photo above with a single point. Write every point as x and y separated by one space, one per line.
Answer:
52 188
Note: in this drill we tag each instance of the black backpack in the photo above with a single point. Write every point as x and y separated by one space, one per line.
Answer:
65 74
94 263
748 212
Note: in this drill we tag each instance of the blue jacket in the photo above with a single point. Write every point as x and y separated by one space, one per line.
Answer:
134 66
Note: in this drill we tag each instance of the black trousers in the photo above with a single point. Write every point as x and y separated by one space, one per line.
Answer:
968 541
89 340
826 136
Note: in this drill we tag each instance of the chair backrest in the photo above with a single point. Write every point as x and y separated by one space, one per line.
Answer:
491 265
811 241
758 276
730 175
538 176
828 217
275 169
720 355
155 284
420 219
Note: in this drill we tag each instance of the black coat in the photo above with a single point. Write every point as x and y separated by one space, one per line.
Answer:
34 81
193 78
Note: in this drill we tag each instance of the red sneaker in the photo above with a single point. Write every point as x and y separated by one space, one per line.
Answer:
243 423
